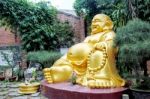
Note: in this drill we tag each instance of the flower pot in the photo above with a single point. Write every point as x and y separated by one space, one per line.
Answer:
28 88
2 78
12 78
140 94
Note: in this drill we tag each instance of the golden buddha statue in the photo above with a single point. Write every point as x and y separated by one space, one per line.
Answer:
93 60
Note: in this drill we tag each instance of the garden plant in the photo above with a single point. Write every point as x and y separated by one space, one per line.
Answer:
133 42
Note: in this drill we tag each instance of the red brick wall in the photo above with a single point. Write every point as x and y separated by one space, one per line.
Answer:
77 24
7 38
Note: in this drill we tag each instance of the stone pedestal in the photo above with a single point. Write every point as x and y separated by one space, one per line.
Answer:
68 91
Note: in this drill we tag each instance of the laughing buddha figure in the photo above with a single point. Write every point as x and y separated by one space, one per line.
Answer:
92 61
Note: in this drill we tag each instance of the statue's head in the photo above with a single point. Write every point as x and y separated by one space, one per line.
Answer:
100 23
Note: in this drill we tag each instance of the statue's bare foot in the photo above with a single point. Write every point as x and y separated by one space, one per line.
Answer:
47 74
101 83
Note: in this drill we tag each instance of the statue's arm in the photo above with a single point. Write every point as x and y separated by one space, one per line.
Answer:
106 41
62 61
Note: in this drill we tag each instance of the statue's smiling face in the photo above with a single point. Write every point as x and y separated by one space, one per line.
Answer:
100 23
97 25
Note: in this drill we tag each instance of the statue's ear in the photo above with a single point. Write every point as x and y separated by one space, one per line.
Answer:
108 25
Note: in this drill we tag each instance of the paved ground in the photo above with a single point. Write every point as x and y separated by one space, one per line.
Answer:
9 90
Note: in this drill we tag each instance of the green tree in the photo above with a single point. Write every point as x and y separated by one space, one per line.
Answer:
64 34
34 23
119 10
133 42
119 14
114 8
134 52
138 9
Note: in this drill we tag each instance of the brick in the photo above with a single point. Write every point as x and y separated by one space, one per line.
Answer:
7 38
77 24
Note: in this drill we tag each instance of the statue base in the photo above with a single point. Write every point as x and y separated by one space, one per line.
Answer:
67 90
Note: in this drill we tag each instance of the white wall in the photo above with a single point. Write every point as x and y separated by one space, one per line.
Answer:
2 60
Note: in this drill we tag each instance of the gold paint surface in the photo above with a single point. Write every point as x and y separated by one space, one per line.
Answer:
92 61
28 88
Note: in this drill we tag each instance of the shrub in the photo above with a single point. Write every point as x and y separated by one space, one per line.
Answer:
36 24
45 58
142 83
133 42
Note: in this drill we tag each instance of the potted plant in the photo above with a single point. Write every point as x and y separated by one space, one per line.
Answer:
133 41
2 76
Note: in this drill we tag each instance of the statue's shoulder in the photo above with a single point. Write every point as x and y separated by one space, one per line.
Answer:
86 39
109 35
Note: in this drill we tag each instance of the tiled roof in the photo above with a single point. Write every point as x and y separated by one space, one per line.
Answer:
69 12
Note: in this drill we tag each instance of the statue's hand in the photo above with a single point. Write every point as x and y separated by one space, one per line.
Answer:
100 46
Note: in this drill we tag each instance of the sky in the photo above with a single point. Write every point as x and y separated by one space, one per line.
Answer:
60 4
63 4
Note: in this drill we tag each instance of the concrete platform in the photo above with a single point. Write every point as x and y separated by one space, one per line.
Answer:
68 91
